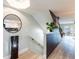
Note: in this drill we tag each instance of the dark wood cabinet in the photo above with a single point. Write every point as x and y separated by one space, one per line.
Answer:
14 47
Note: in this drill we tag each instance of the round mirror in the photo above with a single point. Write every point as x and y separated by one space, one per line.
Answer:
12 23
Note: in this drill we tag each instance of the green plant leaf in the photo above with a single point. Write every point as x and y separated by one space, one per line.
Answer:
51 26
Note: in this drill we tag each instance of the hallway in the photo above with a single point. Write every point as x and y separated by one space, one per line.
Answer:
65 50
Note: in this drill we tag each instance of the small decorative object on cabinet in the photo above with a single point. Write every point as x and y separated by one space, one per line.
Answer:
51 26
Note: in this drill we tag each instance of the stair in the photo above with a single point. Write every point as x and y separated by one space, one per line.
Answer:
30 55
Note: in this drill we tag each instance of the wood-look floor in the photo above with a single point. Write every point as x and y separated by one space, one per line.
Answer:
30 55
65 50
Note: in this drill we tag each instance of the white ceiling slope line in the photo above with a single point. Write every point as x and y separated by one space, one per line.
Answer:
40 17
59 7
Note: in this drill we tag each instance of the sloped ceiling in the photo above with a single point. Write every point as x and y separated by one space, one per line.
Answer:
59 7
39 9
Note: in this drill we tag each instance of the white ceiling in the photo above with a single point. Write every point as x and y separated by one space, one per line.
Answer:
56 5
59 7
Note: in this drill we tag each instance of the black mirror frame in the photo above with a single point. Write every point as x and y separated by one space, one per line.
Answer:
19 20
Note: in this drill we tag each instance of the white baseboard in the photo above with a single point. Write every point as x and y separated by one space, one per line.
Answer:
20 52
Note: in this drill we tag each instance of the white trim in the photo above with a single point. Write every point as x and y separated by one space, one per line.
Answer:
20 52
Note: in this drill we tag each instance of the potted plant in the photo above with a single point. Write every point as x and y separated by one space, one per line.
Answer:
51 26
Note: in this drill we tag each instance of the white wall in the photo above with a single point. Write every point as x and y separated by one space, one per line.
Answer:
30 28
41 17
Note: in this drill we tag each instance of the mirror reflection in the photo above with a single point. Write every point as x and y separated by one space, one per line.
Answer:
12 23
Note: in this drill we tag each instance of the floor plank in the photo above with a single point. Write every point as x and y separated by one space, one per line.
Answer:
65 50
30 55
